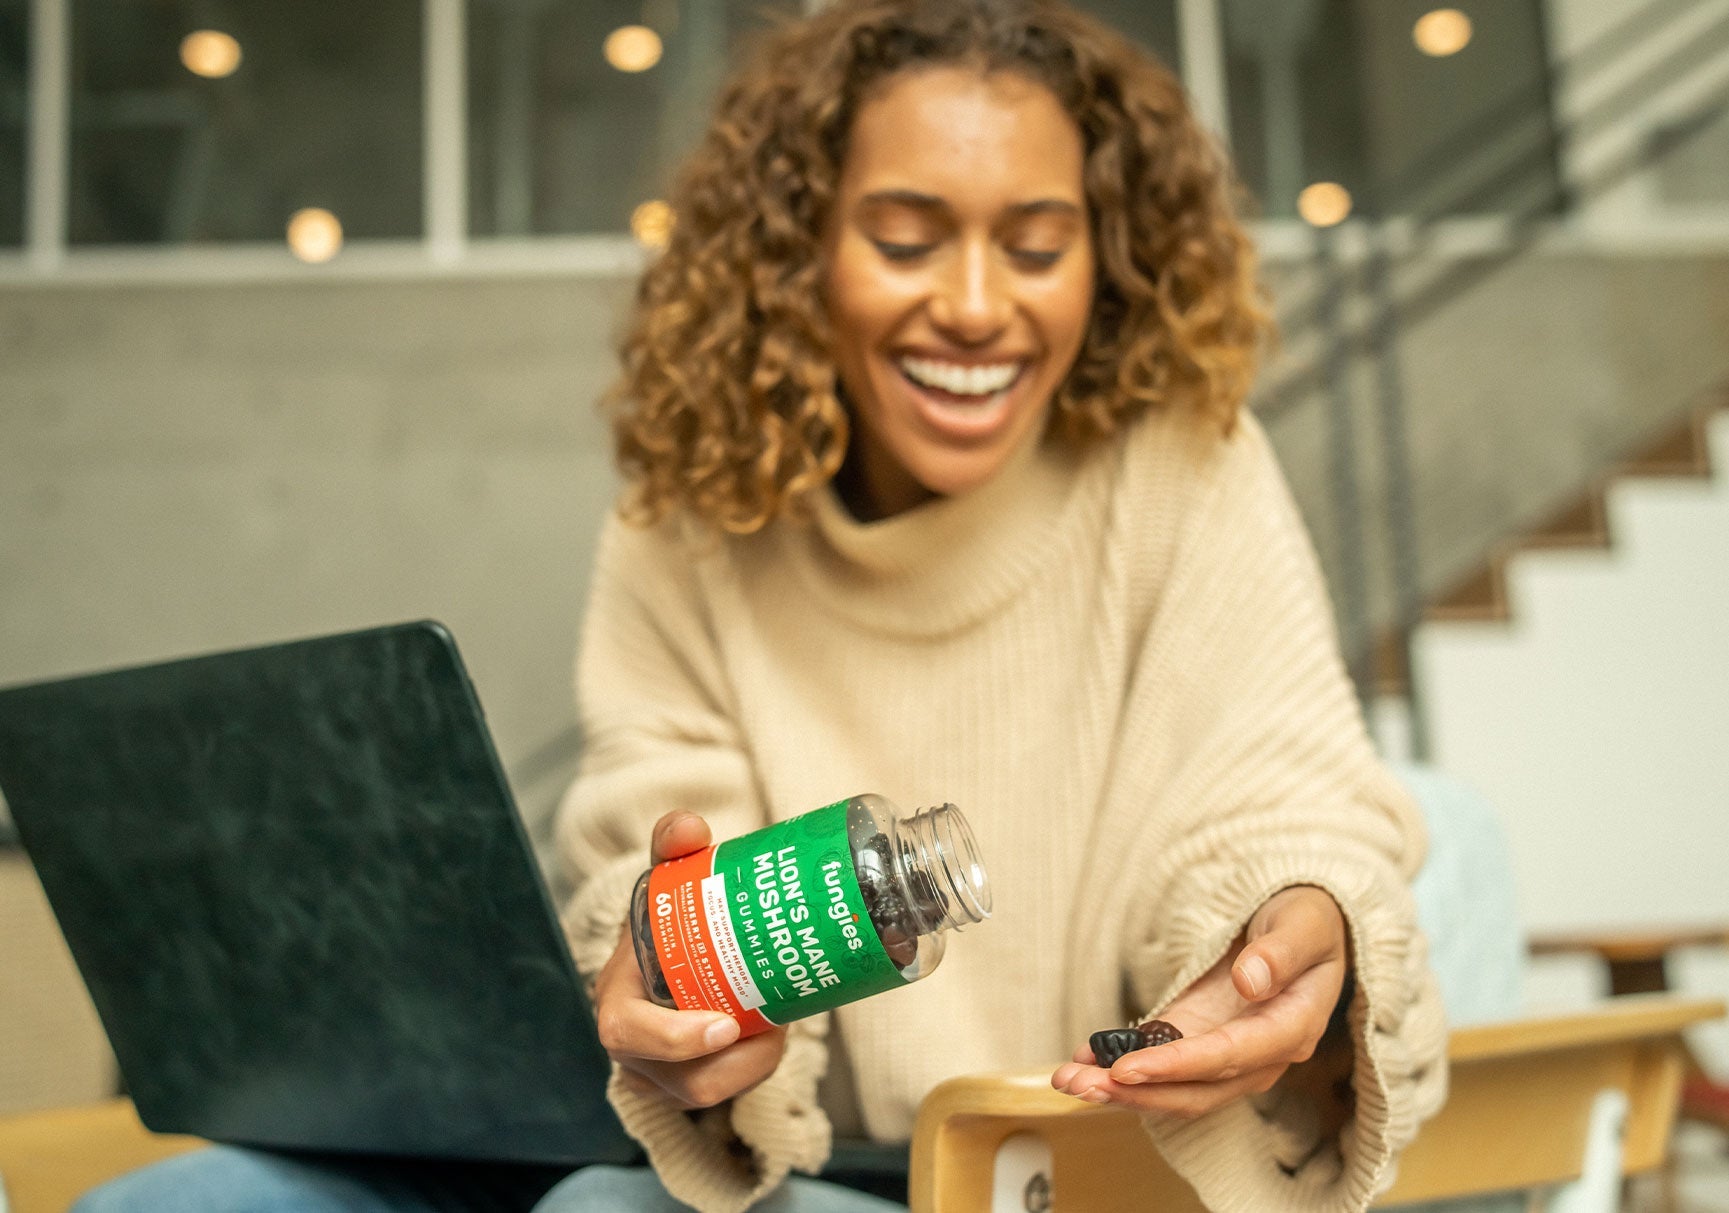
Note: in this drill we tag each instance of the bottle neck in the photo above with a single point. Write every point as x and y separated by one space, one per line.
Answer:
941 862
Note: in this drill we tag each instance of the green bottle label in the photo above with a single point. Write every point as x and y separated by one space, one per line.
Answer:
776 926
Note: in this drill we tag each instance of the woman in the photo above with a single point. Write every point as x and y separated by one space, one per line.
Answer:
941 489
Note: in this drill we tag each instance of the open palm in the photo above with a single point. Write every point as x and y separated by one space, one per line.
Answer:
1261 1009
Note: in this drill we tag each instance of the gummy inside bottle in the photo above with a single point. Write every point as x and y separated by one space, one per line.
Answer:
643 939
900 912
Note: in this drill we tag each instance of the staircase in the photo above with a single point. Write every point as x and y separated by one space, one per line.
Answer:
1580 680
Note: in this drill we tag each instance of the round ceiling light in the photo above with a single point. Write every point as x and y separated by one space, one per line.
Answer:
1446 31
632 48
651 224
314 235
1324 204
210 53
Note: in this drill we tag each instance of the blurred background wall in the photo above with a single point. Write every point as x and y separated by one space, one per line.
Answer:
305 310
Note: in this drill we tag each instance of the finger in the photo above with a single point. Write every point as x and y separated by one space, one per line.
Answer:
1085 1059
1296 930
1083 1081
1259 1037
1188 1099
678 833
635 1027
1066 1073
707 1081
642 1029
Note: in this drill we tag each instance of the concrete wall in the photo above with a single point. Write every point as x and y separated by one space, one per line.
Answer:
52 1049
1518 388
184 468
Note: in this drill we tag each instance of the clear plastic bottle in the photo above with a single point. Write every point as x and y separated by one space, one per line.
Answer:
808 914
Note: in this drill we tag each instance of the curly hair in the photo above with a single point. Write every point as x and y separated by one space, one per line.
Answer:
729 404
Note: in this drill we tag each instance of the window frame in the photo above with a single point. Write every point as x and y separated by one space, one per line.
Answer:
446 246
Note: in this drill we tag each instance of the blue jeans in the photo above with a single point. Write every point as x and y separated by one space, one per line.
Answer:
223 1179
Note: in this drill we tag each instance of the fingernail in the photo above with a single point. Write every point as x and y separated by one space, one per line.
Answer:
1258 975
1129 1078
1094 1095
720 1033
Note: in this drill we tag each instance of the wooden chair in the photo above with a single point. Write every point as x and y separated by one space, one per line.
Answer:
1637 961
1524 1096
48 1159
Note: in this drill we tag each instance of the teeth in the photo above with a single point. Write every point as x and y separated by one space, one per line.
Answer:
961 380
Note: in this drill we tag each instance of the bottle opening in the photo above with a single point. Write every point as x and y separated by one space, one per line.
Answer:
944 849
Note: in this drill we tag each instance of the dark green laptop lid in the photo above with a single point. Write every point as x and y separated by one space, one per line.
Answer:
300 894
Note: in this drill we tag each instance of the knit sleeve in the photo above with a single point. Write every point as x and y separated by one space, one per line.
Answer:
1253 773
661 734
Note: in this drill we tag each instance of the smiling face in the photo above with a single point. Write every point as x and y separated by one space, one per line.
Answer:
959 279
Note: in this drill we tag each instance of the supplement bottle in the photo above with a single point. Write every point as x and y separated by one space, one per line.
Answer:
805 915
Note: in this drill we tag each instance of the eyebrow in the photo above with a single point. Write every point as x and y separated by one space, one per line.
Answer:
930 202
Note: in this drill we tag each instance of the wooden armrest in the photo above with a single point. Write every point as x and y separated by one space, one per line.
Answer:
48 1159
1520 1099
1102 1161
1015 1093
1630 1017
1630 945
1520 1096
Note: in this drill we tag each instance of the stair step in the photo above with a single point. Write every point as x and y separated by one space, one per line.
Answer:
1481 597
1684 451
1584 524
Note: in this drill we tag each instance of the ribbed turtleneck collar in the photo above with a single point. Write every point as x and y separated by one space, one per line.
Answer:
944 564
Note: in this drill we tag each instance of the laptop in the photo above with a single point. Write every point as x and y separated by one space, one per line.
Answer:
298 889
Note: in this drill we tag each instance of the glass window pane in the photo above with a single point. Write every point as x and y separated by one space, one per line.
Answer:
1151 23
270 108
1466 133
14 117
563 141
1338 90
1291 69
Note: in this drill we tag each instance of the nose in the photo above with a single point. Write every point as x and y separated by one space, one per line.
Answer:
971 303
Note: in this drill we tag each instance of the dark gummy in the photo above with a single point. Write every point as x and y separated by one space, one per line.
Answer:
1113 1043
648 960
1156 1032
889 912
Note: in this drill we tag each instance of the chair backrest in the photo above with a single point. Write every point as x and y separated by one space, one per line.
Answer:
1517 1116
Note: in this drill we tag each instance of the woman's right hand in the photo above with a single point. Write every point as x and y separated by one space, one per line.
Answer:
695 1057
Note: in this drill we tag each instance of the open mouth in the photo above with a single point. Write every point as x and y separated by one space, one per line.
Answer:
962 382
962 403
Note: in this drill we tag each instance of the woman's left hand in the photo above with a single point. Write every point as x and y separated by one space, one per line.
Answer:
1259 1010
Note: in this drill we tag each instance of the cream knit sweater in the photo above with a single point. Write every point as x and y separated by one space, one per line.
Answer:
1122 667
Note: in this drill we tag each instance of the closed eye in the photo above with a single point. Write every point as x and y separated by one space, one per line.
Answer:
1038 259
902 252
